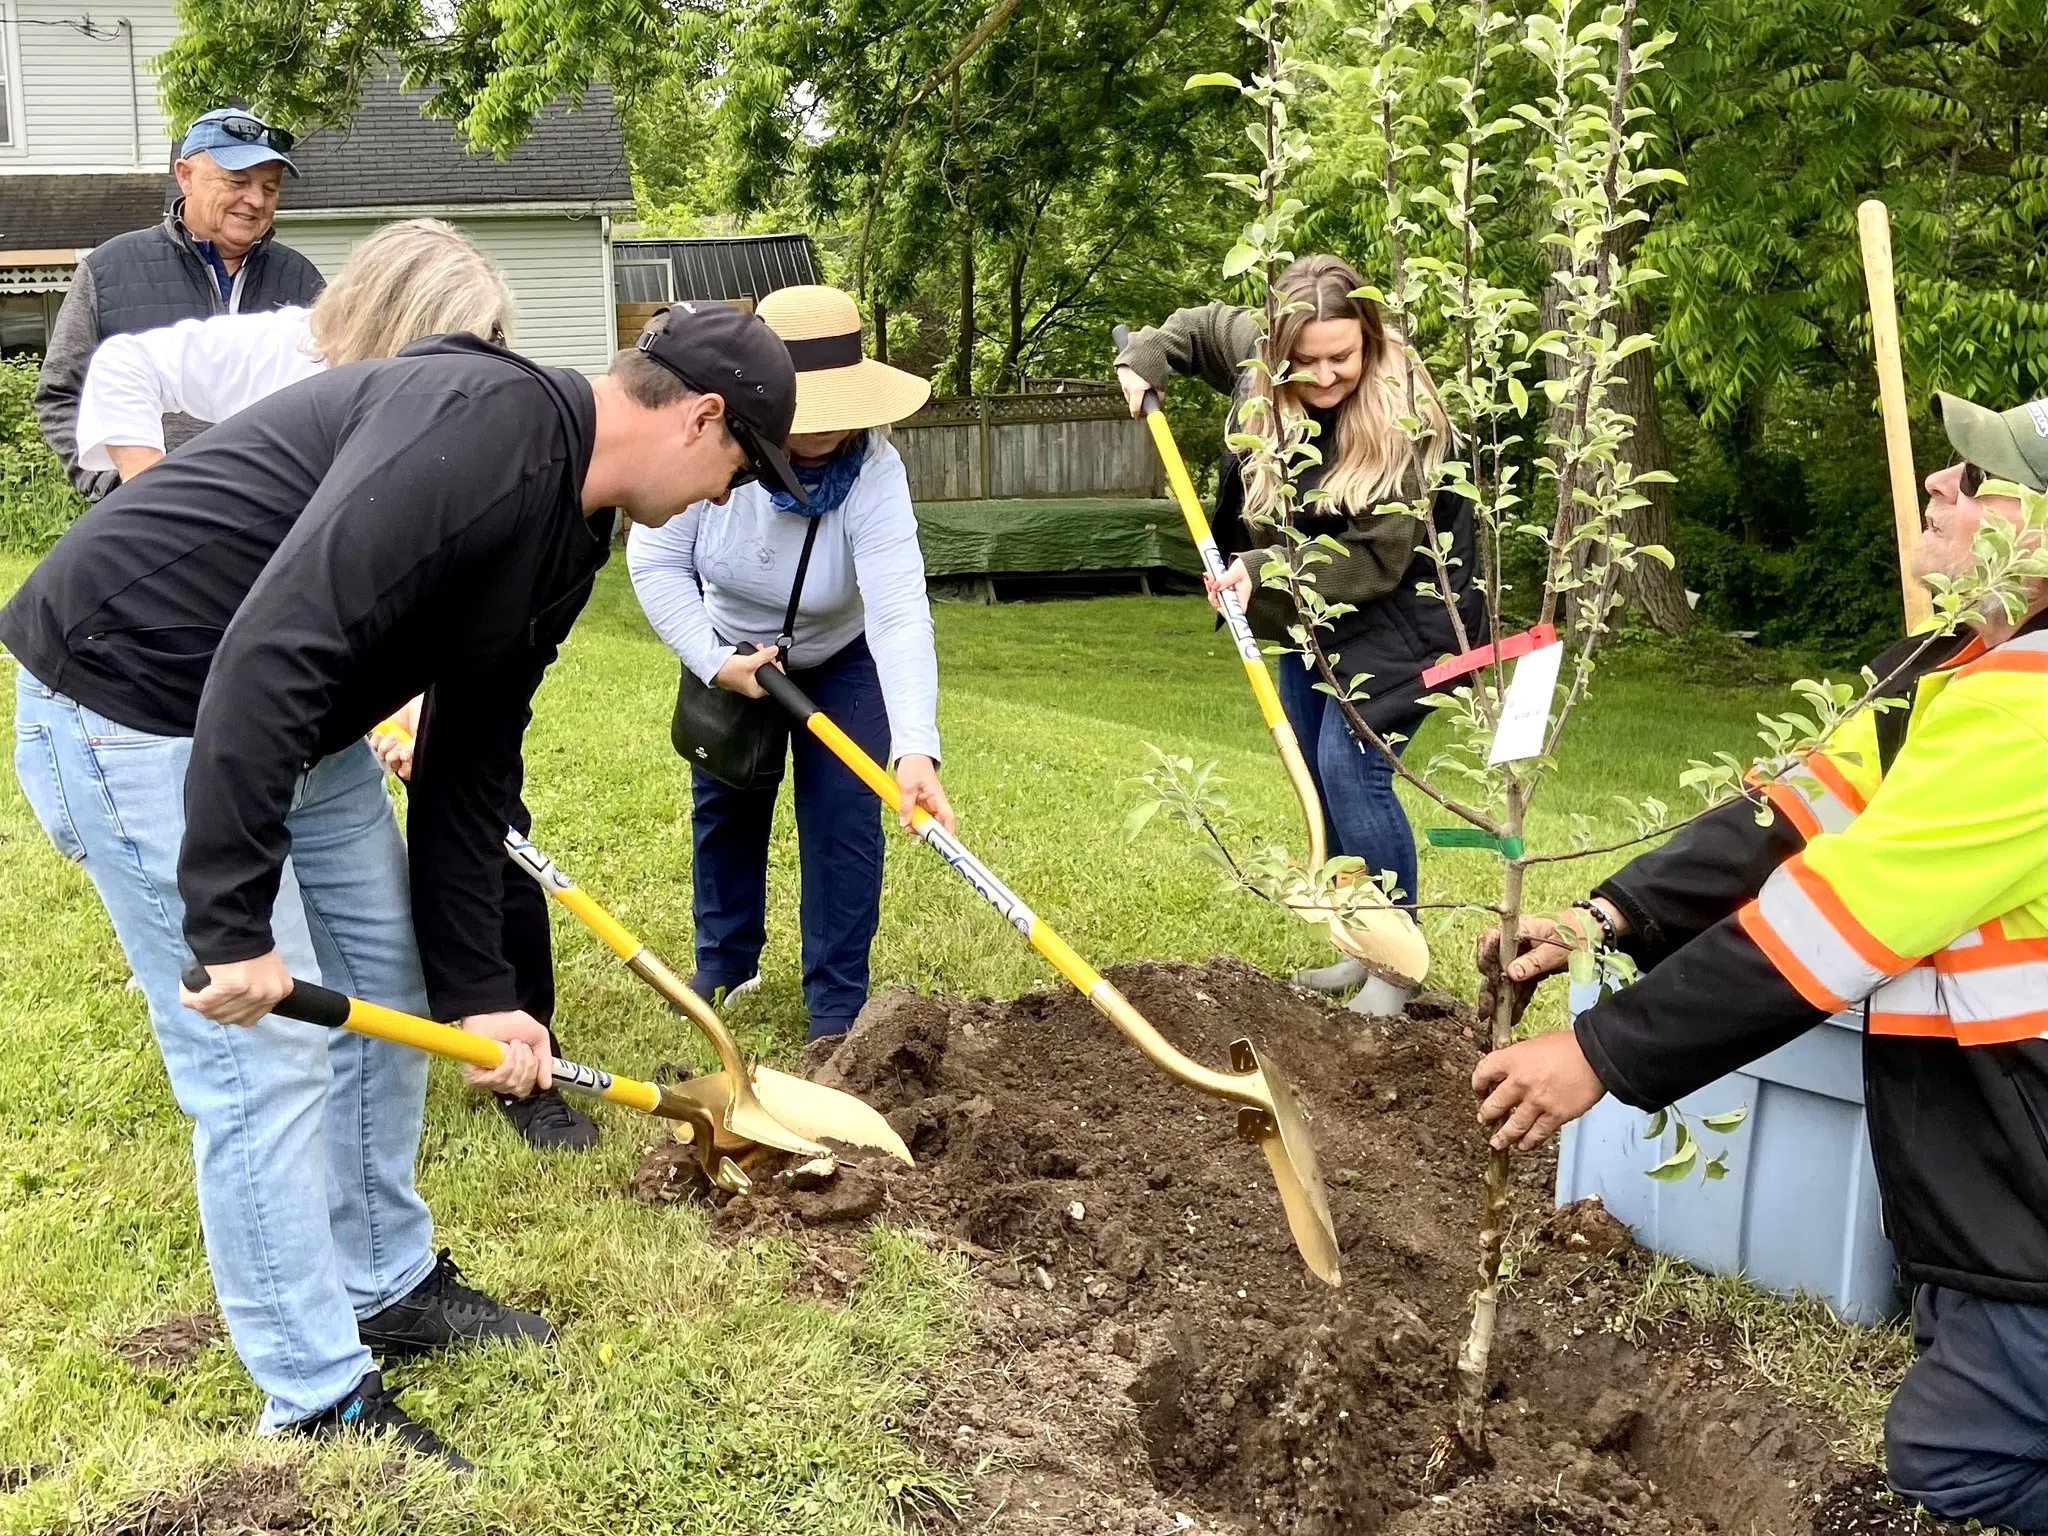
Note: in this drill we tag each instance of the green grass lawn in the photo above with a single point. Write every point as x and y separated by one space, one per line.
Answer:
690 1391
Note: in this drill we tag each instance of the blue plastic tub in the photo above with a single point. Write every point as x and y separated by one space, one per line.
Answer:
1798 1210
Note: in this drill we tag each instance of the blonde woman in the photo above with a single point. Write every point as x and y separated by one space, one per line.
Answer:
1351 384
416 278
861 646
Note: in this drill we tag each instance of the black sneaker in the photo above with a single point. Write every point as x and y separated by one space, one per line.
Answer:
371 1410
443 1313
549 1122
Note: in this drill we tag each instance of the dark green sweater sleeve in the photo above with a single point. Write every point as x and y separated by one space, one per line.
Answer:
1378 548
1211 343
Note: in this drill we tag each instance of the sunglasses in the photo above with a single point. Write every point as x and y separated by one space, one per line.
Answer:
251 130
1973 478
750 471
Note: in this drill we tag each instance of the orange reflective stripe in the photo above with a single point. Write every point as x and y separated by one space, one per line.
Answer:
1873 951
2001 660
1989 954
1818 765
1790 804
1925 1026
2013 1027
1785 961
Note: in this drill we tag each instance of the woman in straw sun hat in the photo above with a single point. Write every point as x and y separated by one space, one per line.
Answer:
861 647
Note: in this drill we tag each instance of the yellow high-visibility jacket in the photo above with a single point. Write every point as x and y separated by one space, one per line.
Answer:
1907 873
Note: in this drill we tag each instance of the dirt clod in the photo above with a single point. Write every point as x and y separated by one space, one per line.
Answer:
171 1345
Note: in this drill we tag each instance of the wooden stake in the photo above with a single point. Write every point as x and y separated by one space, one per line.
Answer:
1874 223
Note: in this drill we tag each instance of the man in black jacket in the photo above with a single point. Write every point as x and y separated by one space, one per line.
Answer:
201 657
213 254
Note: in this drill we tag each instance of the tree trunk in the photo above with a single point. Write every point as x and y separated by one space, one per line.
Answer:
1659 592
963 361
881 331
1012 371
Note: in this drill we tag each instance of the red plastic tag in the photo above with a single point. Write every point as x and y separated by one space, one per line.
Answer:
1506 650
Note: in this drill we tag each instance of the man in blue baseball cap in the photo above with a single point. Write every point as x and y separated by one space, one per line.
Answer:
212 254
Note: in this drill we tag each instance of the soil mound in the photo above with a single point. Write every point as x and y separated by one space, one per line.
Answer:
172 1345
1154 1354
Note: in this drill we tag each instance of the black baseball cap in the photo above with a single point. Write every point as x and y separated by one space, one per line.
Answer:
720 349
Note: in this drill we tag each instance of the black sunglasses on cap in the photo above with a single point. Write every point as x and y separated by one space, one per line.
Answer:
252 130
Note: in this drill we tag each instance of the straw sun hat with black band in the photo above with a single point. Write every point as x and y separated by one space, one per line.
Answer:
838 387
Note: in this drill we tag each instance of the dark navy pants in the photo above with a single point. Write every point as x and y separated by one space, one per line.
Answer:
1356 782
839 852
1967 1434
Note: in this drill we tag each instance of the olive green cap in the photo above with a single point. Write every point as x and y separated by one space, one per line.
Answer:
2006 445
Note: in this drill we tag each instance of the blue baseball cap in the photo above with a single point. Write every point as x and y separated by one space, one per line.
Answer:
237 139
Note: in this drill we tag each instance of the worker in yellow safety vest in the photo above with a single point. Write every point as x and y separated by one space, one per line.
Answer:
1906 874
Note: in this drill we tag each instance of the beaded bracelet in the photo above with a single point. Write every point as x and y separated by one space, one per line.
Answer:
1609 939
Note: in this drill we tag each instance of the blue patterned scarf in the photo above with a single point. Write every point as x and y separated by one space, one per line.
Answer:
826 484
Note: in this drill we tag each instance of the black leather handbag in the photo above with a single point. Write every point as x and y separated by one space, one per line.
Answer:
740 742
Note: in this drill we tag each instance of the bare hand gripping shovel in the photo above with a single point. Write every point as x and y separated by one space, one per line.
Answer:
687 1103
1267 1115
1385 938
745 1107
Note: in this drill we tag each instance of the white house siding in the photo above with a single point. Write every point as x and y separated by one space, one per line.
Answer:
555 263
82 107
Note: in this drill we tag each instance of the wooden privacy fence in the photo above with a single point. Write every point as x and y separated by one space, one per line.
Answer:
998 446
631 319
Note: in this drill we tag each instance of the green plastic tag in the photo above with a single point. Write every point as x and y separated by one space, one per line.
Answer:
1474 837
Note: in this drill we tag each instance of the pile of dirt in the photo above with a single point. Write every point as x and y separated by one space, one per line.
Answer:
1154 1356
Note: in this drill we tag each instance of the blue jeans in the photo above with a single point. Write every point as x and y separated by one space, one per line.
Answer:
839 851
1967 1432
1354 779
303 1138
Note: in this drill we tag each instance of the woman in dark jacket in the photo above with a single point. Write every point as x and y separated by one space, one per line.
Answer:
1350 381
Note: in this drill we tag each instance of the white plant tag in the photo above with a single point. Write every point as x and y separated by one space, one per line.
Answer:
1525 713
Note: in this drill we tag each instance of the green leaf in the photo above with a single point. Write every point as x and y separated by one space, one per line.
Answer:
1656 1126
1214 77
1139 819
1679 1163
1519 394
1726 1122
1716 1168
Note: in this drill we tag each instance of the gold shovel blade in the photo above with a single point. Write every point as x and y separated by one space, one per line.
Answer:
826 1114
1282 1134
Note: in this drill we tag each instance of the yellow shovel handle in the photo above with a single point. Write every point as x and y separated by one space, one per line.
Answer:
1263 691
1244 1088
311 1004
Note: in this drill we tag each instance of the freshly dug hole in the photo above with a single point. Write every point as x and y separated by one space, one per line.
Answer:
1152 1346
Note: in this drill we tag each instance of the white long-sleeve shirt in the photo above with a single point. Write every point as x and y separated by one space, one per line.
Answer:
866 577
208 368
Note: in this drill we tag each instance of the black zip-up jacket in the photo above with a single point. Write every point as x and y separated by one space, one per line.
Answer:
281 583
1959 1134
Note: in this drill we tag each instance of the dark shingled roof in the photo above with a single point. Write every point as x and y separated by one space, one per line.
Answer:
62 212
391 156
737 267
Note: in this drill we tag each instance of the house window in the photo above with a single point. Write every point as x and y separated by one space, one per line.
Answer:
10 88
644 282
25 321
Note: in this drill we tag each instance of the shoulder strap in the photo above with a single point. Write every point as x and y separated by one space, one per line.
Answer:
787 638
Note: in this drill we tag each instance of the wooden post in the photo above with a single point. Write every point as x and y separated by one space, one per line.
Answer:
1874 223
988 482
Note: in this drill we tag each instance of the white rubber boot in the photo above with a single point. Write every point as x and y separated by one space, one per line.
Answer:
1333 979
1382 999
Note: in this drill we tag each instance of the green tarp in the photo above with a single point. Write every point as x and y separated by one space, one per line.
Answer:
1035 538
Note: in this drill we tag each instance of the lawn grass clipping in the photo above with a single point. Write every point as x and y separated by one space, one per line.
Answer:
690 1391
